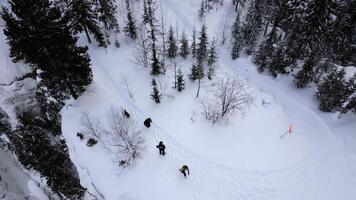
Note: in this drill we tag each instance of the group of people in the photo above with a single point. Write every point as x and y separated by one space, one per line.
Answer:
162 150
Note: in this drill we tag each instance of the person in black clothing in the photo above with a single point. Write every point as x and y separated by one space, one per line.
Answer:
162 148
184 169
126 114
147 122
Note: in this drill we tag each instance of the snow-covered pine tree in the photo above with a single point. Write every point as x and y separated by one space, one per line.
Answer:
306 74
212 60
145 16
333 91
180 81
236 38
253 24
202 50
264 55
172 47
197 71
184 46
106 11
156 65
201 12
68 71
278 64
130 28
155 95
83 18
193 46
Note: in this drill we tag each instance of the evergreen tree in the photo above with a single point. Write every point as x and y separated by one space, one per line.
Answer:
212 55
145 15
236 37
306 74
156 65
184 46
155 95
266 51
193 46
278 63
106 10
253 24
39 32
180 81
130 28
201 52
201 9
332 91
172 44
83 18
197 71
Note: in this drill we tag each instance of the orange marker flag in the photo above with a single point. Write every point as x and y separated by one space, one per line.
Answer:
290 128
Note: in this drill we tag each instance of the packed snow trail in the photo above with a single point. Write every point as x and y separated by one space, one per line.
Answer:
210 180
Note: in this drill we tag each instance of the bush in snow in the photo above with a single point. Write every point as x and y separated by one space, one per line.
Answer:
226 97
126 137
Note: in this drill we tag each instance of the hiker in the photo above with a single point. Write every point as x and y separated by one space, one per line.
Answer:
126 114
184 169
161 148
147 122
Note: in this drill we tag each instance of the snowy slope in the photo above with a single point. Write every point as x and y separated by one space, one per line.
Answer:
245 159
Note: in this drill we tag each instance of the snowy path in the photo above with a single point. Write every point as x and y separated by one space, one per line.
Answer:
209 180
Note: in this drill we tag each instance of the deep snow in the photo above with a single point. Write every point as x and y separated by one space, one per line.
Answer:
243 159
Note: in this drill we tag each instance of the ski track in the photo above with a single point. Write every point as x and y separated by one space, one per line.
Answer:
210 180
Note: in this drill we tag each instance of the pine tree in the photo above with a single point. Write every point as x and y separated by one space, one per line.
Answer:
171 44
201 10
266 51
212 55
83 18
201 52
253 25
332 91
106 10
156 65
193 46
306 74
184 46
236 37
68 71
180 81
197 71
130 28
155 95
145 15
278 64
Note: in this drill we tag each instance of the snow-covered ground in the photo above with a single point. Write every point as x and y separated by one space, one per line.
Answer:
242 159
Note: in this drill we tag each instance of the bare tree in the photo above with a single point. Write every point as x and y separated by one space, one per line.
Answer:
126 137
142 50
227 97
126 83
92 126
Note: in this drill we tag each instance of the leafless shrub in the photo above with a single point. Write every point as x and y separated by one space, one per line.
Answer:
92 126
126 137
142 49
227 97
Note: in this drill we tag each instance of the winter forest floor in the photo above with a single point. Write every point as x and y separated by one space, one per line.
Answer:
244 158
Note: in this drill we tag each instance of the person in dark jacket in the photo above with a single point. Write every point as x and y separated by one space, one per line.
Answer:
126 114
162 148
184 169
147 122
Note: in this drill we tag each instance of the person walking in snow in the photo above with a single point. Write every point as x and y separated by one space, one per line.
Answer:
147 122
184 169
161 148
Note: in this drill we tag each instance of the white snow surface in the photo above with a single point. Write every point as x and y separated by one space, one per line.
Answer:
242 159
